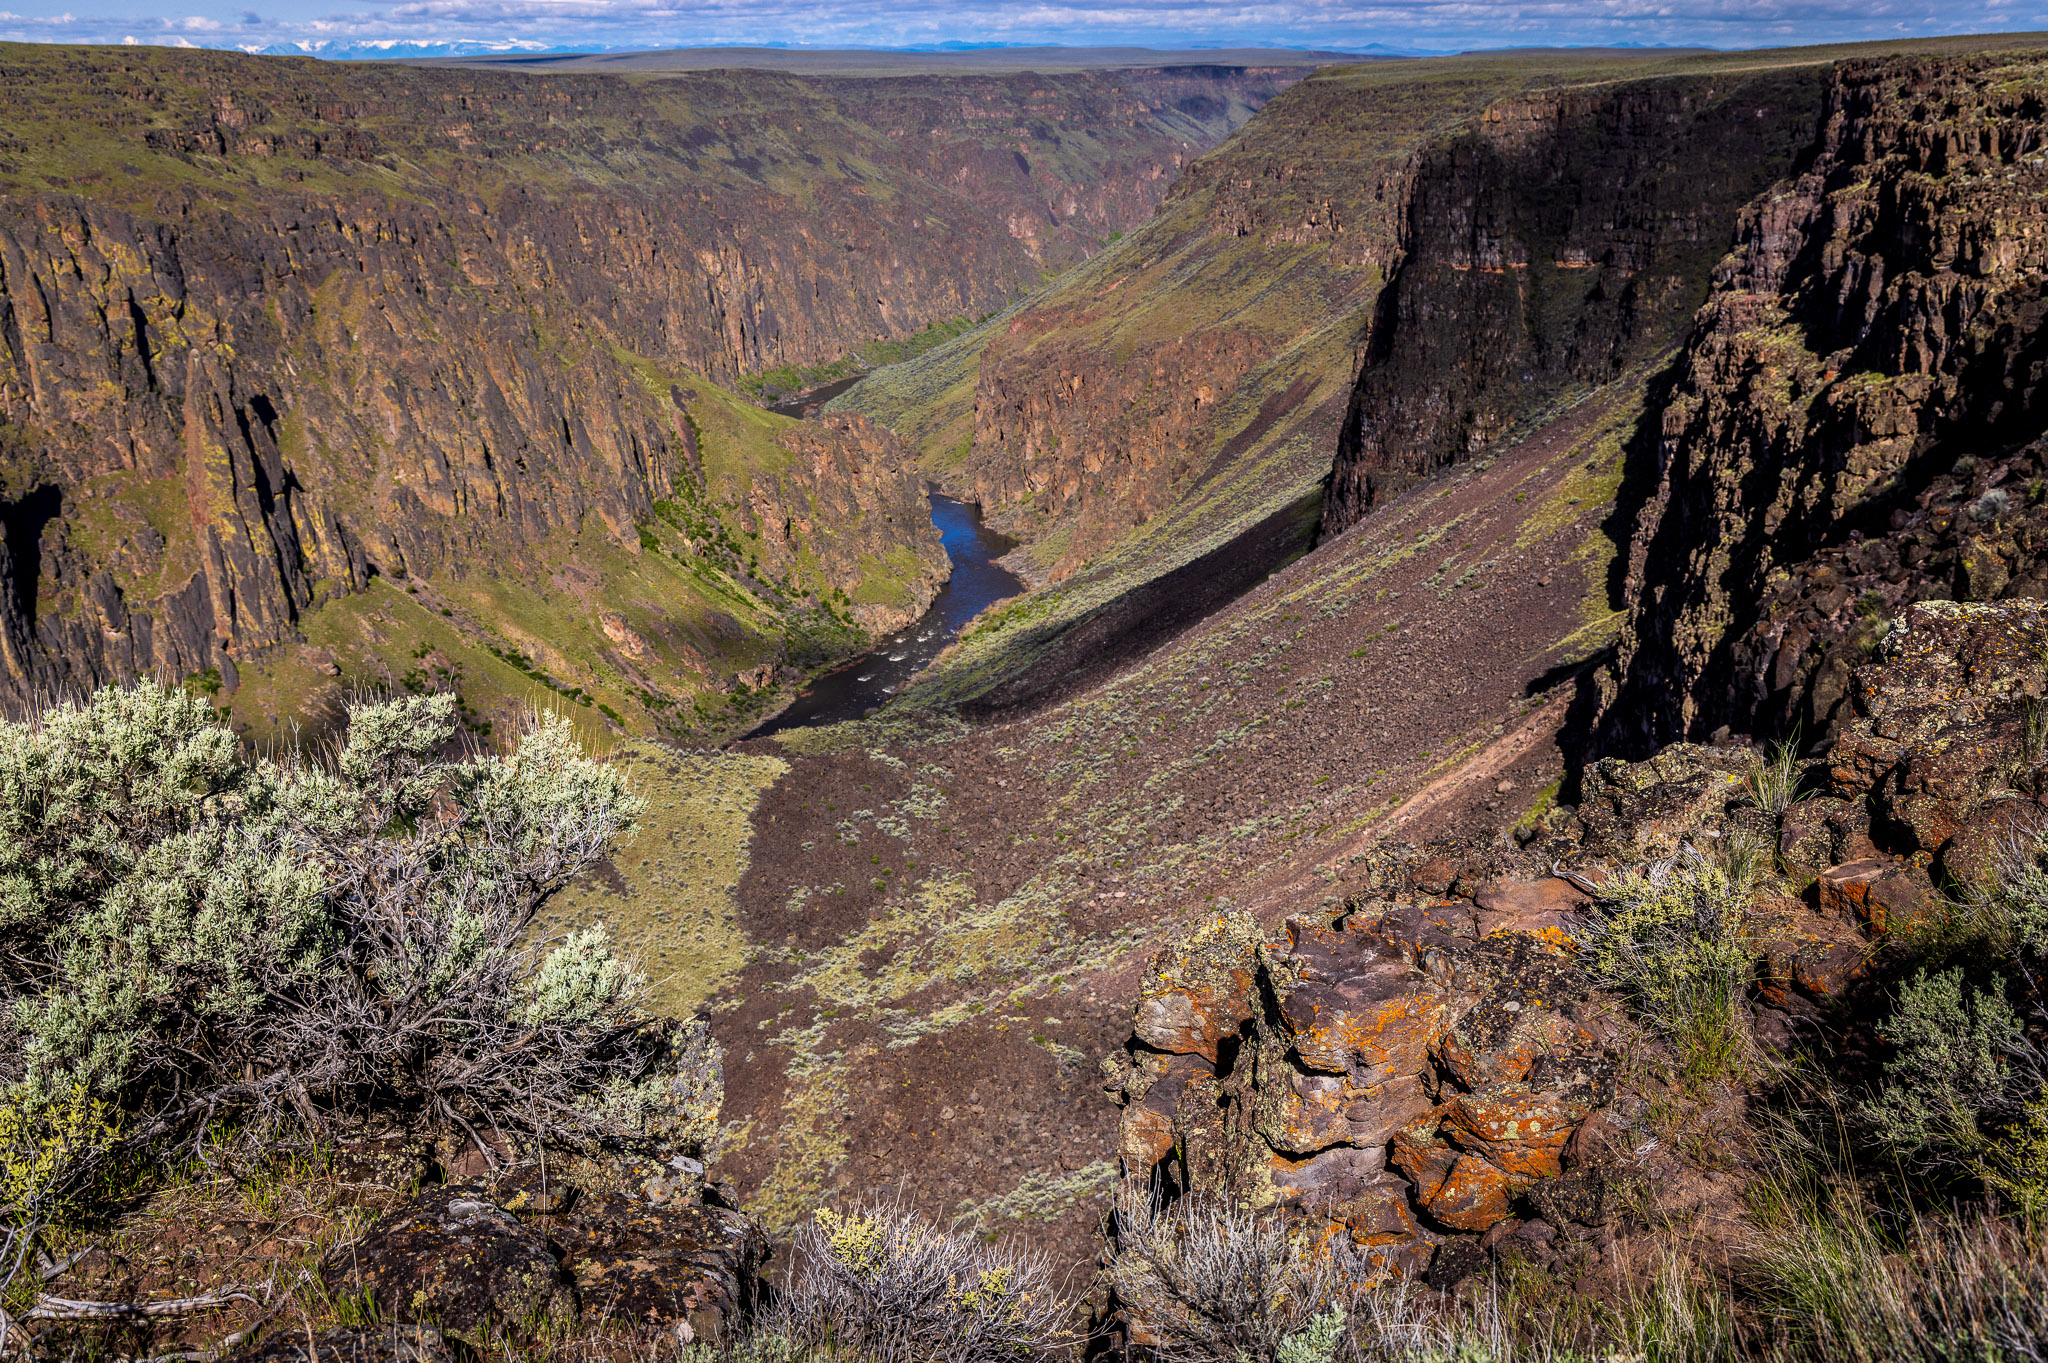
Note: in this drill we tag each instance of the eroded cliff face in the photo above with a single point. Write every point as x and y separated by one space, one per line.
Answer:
272 328
1561 240
1222 334
1855 424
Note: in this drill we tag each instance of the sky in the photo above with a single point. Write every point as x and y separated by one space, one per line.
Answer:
366 27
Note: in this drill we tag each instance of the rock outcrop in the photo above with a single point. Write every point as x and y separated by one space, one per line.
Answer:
1405 1071
1854 424
478 1260
1429 1072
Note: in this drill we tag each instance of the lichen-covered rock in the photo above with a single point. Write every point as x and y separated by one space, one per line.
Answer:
452 1257
1544 907
1642 811
1890 896
1320 1110
1519 1129
1362 1006
1404 1070
1474 1194
1939 713
663 1265
1817 833
1200 990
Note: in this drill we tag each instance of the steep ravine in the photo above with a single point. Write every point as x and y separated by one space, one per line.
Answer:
1401 264
953 906
275 328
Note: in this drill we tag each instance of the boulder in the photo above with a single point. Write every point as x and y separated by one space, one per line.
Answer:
1586 1196
1320 1110
1825 970
1520 1129
1500 1040
1473 1196
1806 953
640 1264
1548 907
1362 1007
453 1257
1329 1176
1643 811
1200 990
1889 896
1379 1215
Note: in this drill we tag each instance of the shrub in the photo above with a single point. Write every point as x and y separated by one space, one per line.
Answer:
2015 1165
1221 1283
1673 940
2019 897
50 1153
191 931
1963 1085
1950 1068
882 1283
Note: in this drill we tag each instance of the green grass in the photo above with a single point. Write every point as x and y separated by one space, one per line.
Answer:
672 904
789 380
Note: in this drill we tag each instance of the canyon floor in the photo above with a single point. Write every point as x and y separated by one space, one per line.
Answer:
944 921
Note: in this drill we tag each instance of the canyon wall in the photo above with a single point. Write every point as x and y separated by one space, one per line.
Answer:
1223 331
1856 423
269 328
1561 240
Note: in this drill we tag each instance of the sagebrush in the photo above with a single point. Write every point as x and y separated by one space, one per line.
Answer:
881 1282
190 933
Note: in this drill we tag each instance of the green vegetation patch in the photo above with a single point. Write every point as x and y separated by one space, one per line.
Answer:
669 898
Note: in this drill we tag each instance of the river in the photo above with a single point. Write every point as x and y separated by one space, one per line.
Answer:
865 683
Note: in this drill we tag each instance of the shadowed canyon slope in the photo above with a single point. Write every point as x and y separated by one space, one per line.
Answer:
952 904
1190 384
278 332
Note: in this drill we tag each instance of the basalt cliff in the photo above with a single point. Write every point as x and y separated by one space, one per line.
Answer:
276 331
1855 424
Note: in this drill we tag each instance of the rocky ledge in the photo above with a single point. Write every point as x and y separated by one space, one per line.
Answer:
1428 1071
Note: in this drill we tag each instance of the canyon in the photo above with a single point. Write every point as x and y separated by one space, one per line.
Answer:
1554 330
287 342
1436 493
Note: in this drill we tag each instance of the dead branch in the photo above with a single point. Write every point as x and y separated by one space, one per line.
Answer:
62 1308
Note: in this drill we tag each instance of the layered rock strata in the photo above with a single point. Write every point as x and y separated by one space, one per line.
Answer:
271 327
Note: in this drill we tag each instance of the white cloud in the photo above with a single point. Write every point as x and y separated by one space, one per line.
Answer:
317 25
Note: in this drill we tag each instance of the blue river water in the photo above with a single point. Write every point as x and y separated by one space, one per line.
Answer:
870 680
